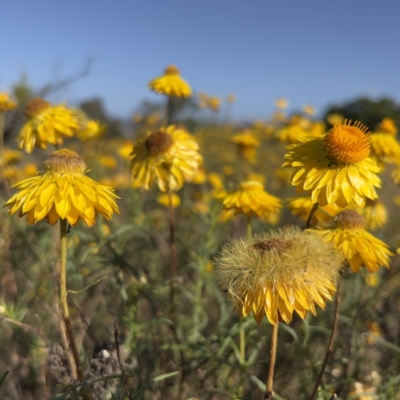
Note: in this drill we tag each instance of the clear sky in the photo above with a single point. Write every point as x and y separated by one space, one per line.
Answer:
309 51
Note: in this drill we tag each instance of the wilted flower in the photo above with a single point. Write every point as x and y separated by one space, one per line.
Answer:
171 84
335 169
359 247
47 124
168 156
63 191
278 273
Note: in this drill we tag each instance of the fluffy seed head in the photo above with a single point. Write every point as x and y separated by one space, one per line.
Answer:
172 70
278 273
158 143
35 107
347 143
65 161
350 219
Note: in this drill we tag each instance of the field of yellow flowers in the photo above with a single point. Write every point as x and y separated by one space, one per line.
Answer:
228 262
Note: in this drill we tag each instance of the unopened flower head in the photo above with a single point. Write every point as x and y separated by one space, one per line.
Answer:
6 104
252 200
47 124
170 157
171 84
278 273
359 246
335 169
63 191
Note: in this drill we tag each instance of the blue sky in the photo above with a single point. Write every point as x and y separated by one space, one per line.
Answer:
309 51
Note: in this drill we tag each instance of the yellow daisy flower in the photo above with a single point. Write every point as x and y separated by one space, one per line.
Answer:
281 103
301 207
231 98
214 103
252 200
279 273
359 247
63 191
169 156
163 199
309 110
125 150
246 144
6 104
171 84
11 156
47 124
335 169
384 146
293 131
375 214
91 130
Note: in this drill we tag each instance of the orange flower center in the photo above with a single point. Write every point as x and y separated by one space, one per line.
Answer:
35 107
172 70
251 186
350 219
65 161
387 126
347 143
158 143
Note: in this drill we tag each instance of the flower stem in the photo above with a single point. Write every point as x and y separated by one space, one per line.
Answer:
329 350
168 111
172 245
64 304
310 215
2 119
272 358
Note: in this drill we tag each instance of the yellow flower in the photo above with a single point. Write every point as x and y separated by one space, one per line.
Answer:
309 109
126 149
279 273
170 157
163 199
200 176
301 207
334 119
247 144
251 199
171 84
281 103
293 131
91 130
359 247
375 214
63 191
11 156
108 161
384 146
231 98
47 124
6 104
335 169
214 103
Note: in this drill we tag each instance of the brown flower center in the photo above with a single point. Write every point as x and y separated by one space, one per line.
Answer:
35 107
269 244
65 161
347 143
158 143
350 219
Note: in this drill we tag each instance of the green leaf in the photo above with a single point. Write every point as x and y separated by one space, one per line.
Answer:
151 382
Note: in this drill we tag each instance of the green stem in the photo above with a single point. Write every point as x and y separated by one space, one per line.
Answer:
310 215
64 304
168 111
172 245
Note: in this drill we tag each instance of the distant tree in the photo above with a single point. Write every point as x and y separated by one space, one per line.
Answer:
368 111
